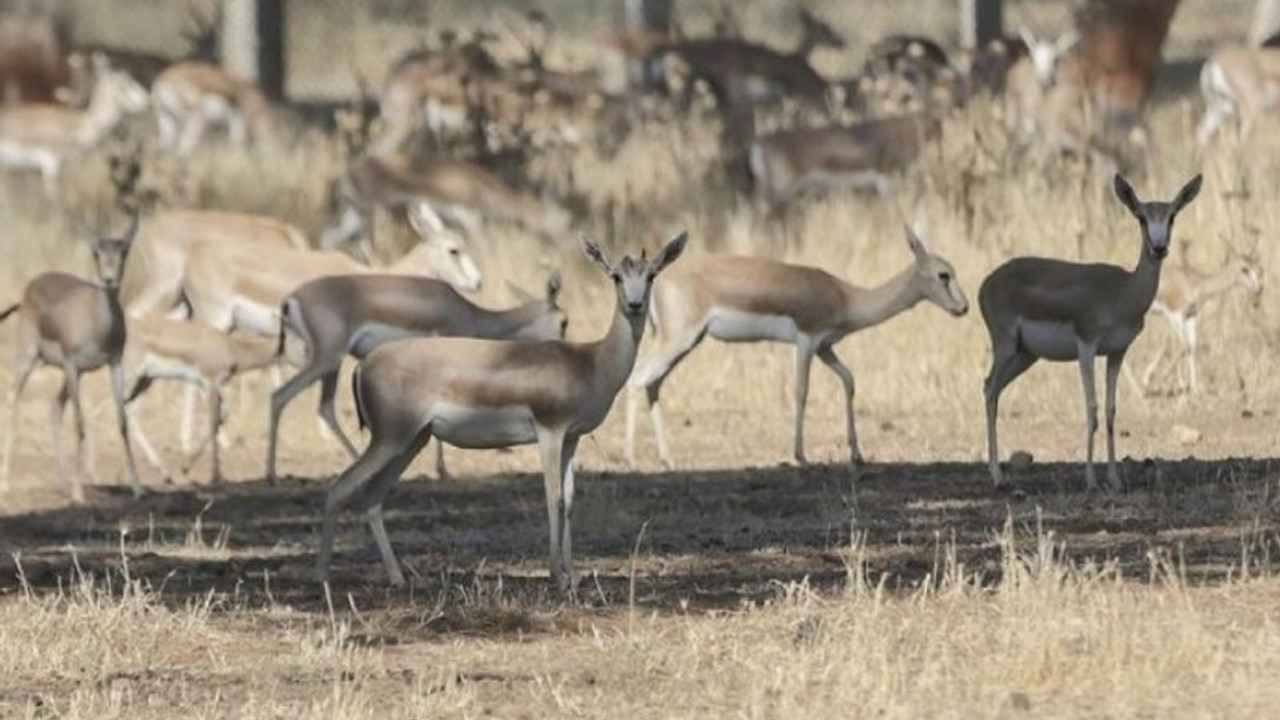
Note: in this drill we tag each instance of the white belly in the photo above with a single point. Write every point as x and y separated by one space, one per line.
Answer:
255 317
160 367
17 155
471 427
737 326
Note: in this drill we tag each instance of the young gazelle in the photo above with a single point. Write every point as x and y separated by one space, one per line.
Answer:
77 326
353 314
162 349
742 299
1037 308
491 394
1183 294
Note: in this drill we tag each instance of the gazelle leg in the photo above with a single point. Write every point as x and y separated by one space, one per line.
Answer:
23 369
353 480
1087 353
551 444
1007 364
1114 363
566 495
804 360
186 430
828 356
280 399
122 417
328 391
657 367
144 442
1193 375
442 472
376 496
56 412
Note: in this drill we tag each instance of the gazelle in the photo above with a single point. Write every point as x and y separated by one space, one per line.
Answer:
1243 82
191 95
166 242
491 394
353 314
1038 308
457 188
79 327
44 136
743 299
1045 93
1183 294
791 163
163 349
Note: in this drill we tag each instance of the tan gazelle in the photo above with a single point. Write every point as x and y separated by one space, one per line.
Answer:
190 96
1239 82
165 245
1044 309
43 136
243 286
352 314
1183 294
194 353
77 326
490 394
743 299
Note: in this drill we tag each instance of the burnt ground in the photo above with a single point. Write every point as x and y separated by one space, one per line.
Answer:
709 540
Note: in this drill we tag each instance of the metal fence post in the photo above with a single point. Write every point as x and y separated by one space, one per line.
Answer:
253 43
981 21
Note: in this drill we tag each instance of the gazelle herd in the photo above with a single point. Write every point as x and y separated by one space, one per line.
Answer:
220 292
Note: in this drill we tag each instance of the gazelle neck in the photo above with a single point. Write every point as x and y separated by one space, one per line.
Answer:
1143 283
872 306
615 353
415 262
506 323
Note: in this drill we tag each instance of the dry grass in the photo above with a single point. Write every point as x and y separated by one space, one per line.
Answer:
737 587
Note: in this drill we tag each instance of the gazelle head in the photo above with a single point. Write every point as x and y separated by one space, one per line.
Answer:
1156 218
935 277
448 256
1045 54
633 277
110 254
551 322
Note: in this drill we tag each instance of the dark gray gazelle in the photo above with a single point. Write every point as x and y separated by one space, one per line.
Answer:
77 326
344 315
1043 309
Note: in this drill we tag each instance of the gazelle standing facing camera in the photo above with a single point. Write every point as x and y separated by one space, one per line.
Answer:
492 394
77 326
1038 308
743 299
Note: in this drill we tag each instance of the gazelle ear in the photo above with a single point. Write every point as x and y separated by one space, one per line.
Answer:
1188 192
554 285
918 246
1124 191
595 253
669 252
1027 36
1068 40
425 220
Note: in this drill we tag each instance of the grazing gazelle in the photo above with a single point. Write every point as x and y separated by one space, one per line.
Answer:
1238 81
743 299
1044 309
44 135
491 394
1183 294
162 349
353 314
191 95
77 326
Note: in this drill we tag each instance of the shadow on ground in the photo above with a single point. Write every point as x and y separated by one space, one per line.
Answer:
669 542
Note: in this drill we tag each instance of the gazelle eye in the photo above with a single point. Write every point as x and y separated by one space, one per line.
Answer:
615 277
454 252
944 276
